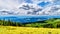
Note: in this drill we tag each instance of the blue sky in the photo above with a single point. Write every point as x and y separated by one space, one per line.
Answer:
42 4
13 5
28 1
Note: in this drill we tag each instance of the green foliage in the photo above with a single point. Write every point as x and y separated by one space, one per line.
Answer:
54 22
33 25
9 23
50 23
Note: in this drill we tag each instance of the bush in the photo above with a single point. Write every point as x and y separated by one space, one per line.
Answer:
48 26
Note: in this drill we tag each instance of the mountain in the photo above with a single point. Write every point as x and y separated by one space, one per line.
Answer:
24 19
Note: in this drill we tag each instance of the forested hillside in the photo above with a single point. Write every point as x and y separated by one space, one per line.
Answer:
50 23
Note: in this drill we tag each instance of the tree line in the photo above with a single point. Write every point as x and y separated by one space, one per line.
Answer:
50 23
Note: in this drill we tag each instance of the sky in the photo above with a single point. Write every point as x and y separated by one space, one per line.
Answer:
11 7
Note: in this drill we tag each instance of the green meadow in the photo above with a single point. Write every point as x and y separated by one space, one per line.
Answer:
50 26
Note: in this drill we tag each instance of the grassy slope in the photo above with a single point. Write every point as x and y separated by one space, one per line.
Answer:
27 30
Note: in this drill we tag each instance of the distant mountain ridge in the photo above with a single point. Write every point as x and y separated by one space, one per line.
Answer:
27 18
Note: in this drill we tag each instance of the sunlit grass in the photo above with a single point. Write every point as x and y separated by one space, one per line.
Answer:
27 30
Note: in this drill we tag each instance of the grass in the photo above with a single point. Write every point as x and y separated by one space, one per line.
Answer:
27 30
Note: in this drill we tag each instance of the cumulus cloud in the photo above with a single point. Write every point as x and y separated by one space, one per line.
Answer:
25 7
52 10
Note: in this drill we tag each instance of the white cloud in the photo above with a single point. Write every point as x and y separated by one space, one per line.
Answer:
51 10
38 1
13 4
12 7
8 4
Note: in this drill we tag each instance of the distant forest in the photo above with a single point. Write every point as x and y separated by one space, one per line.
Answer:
50 23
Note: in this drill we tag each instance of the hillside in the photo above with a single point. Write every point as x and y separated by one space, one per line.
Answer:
50 23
